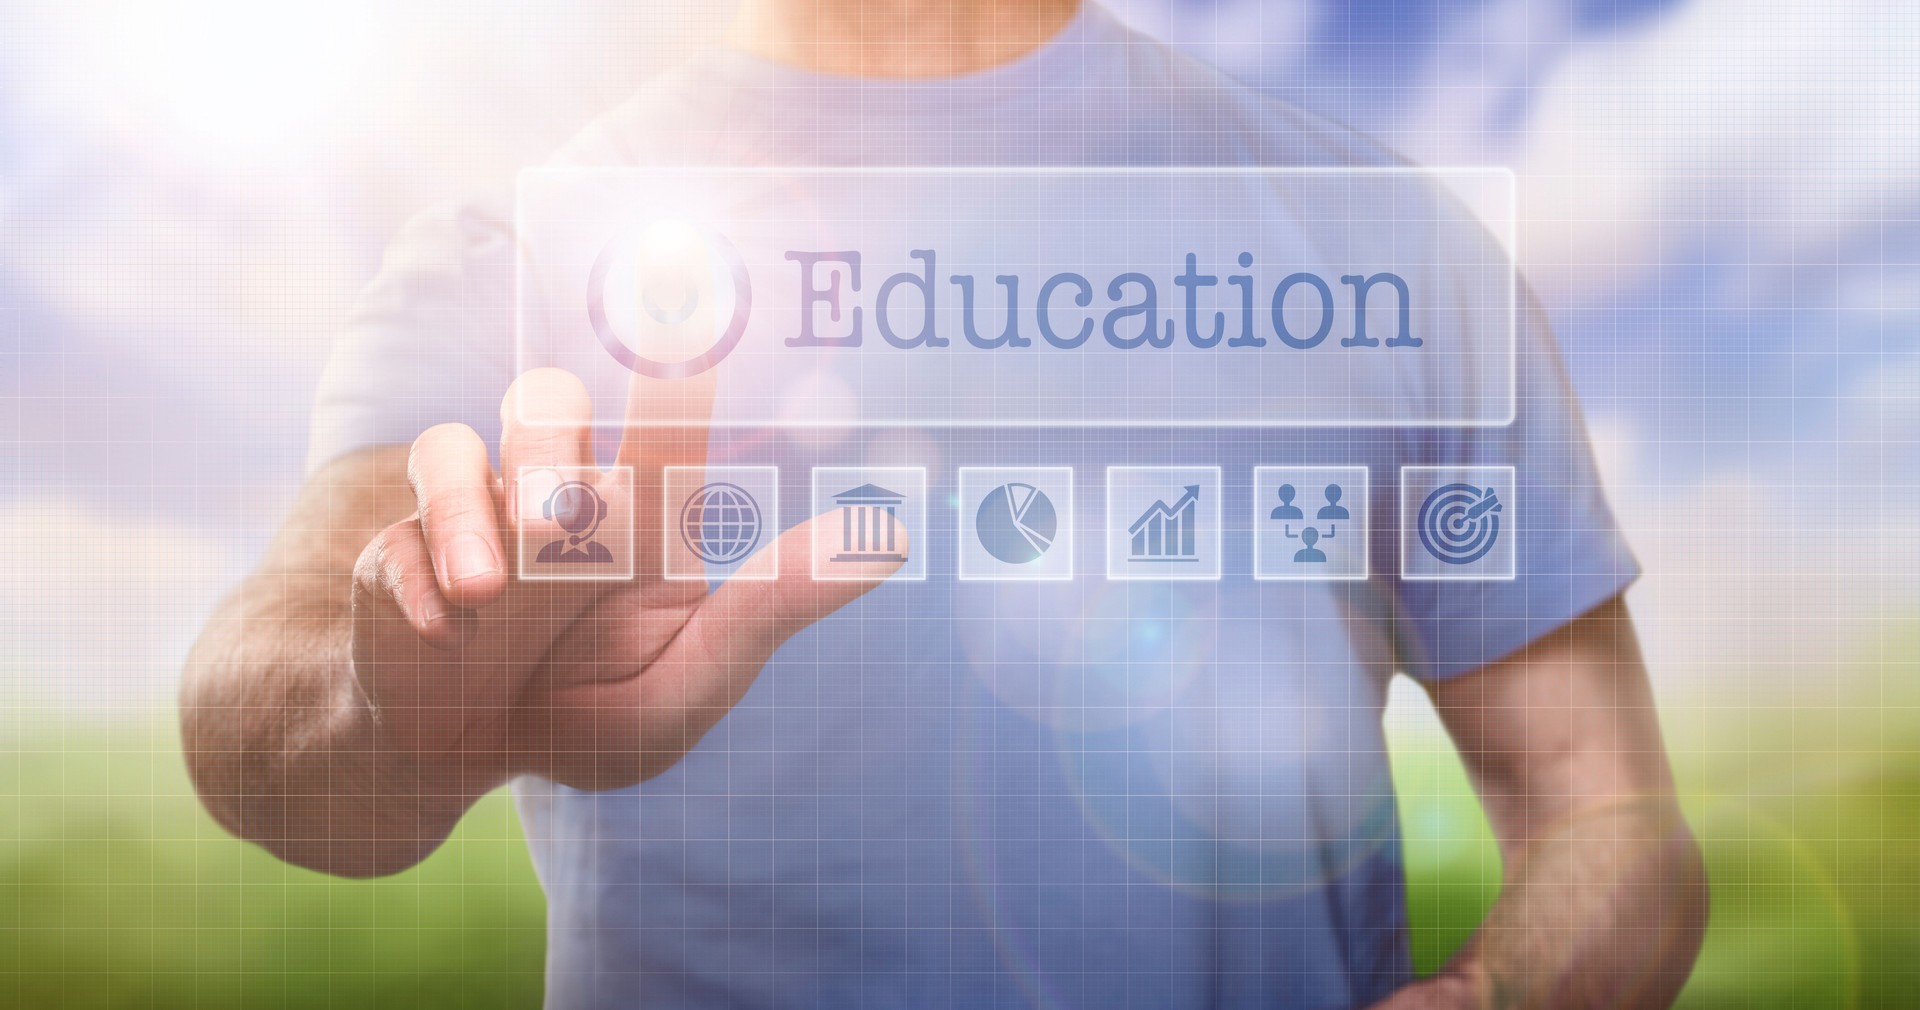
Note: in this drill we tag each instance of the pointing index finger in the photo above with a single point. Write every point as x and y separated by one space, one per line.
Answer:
677 324
667 422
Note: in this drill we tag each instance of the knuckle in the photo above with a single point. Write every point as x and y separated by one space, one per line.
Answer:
457 508
442 465
383 565
441 444
545 395
450 436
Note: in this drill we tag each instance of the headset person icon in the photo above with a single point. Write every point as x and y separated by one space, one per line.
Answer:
577 508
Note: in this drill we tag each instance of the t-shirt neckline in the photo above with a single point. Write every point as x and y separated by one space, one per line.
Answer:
1065 60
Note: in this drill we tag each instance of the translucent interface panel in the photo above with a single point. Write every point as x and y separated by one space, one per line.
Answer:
1062 297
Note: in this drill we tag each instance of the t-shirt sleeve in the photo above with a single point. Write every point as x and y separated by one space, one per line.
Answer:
1570 553
429 341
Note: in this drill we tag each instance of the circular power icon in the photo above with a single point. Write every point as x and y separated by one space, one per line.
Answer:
672 263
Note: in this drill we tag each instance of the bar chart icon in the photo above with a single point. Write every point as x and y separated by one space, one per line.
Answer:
1165 532
1163 523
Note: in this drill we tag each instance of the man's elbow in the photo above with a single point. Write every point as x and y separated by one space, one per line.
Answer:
1662 899
1685 878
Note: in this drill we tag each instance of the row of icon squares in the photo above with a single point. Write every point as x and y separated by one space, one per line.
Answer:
866 516
720 522
1164 523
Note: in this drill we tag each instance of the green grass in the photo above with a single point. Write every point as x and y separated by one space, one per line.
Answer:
116 890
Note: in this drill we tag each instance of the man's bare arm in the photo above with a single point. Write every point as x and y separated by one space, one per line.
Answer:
1604 897
282 744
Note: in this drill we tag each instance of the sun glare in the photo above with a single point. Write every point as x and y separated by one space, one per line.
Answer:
240 77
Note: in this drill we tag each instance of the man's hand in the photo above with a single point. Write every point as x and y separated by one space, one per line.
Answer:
592 684
372 682
1604 900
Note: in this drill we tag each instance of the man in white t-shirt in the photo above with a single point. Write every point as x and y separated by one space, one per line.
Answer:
865 793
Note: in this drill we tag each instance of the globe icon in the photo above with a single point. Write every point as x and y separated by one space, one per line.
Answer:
720 523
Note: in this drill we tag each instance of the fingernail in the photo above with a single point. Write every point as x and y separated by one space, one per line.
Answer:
430 610
469 556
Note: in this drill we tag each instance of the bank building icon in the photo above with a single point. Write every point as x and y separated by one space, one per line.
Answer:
868 527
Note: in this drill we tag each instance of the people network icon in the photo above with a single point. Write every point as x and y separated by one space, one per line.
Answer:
1331 510
1331 513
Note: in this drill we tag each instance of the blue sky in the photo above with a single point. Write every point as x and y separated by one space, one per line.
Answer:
1720 204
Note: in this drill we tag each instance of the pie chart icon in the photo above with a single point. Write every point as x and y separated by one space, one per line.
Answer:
1016 523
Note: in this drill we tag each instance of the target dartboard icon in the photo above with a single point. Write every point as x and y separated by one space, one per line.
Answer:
1459 523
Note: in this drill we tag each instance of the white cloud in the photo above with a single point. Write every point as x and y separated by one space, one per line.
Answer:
1756 139
1778 126
1251 38
99 611
1481 61
189 281
1882 409
1764 578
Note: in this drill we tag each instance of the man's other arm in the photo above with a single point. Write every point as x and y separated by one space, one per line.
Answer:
1604 897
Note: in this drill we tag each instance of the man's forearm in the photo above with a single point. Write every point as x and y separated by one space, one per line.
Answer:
285 750
1604 900
1606 910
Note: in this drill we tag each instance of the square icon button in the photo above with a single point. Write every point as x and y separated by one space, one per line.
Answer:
1457 522
575 523
1016 523
1310 522
1163 522
866 515
720 522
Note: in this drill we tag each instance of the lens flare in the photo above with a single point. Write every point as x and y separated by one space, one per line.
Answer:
237 78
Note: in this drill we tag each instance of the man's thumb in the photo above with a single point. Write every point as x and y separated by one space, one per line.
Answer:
754 612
